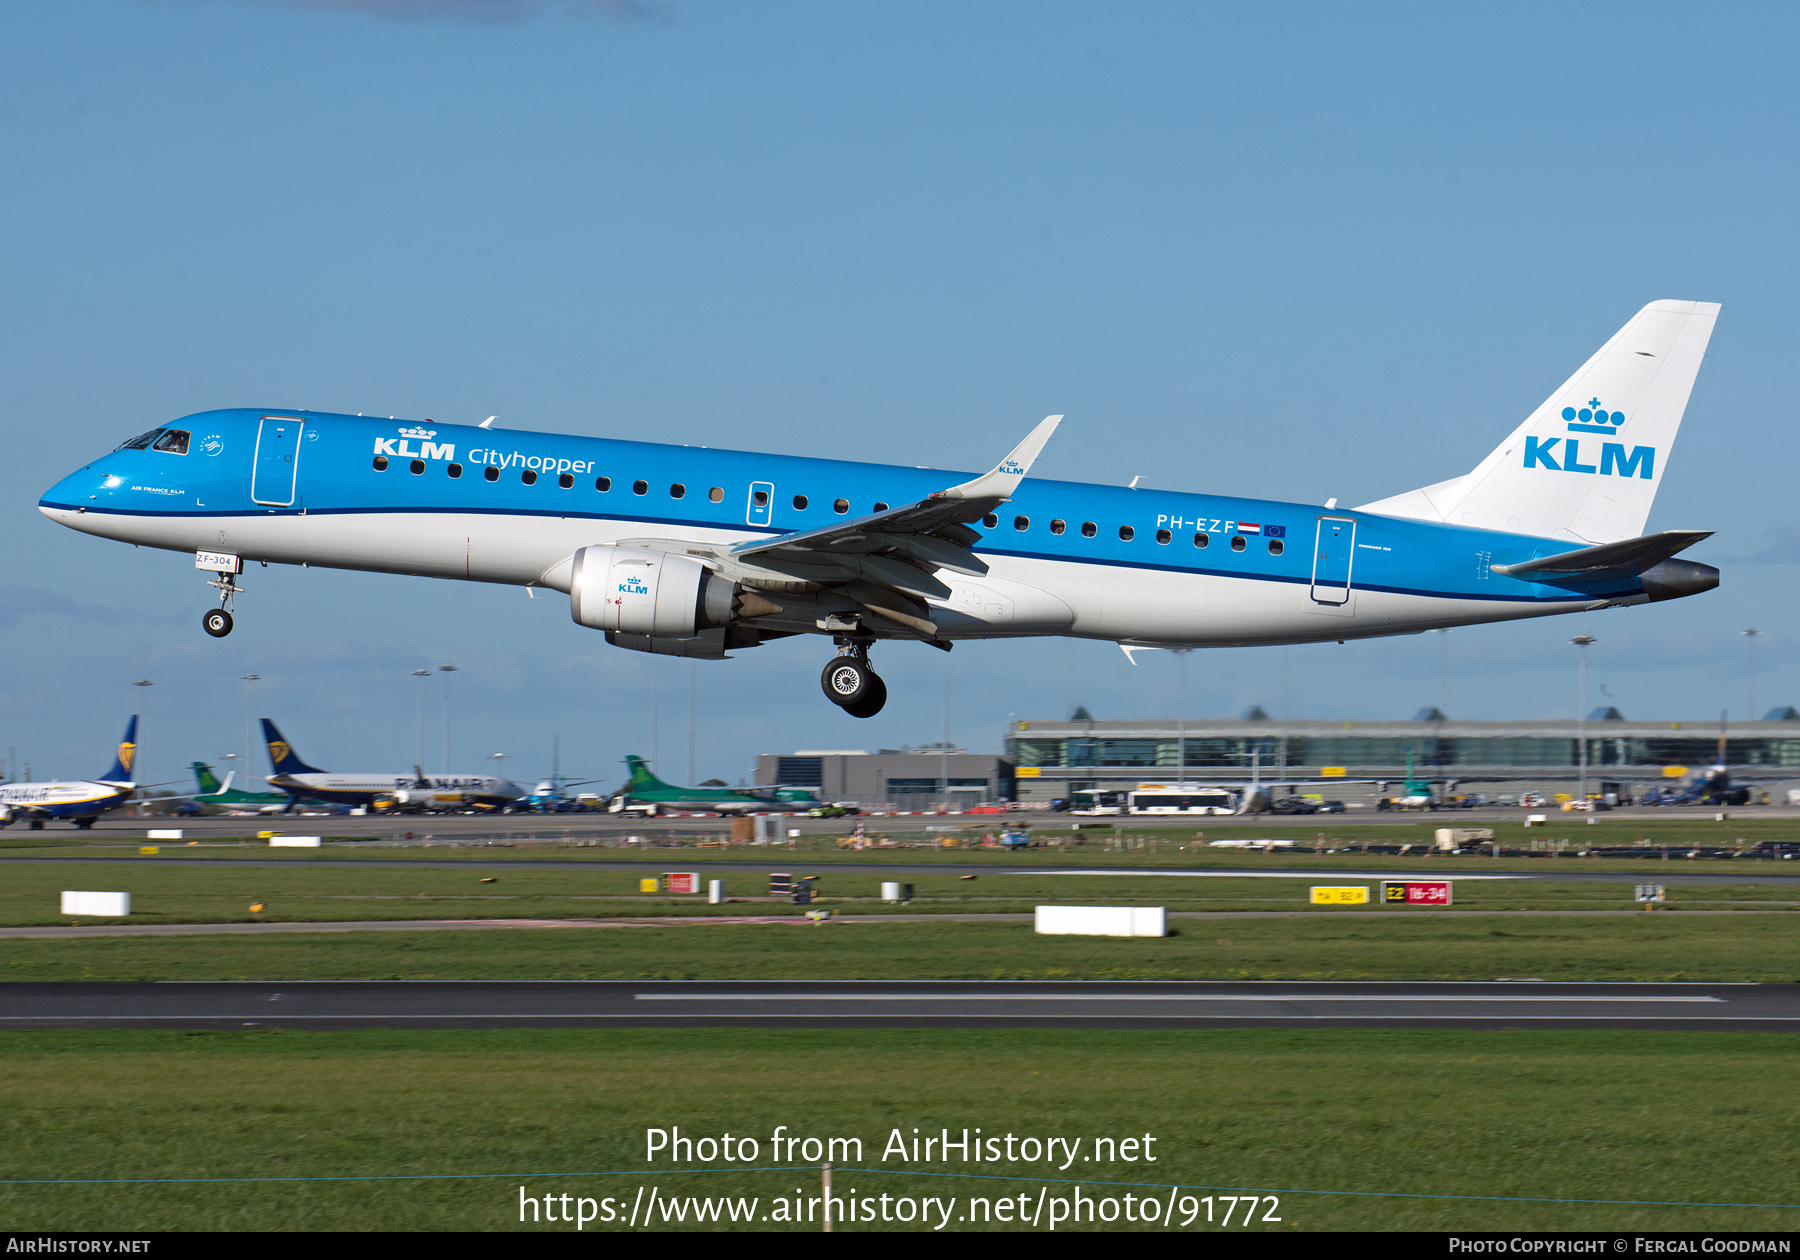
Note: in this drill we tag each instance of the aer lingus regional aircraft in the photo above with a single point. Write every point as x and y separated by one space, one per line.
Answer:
687 551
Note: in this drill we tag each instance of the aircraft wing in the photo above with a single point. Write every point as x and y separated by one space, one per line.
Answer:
884 564
1627 558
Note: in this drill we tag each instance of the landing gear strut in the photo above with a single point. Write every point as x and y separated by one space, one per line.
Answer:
217 621
850 683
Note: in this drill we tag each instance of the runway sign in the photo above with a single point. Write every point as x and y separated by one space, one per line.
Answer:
1332 896
648 885
101 903
681 882
1102 921
1650 892
1415 892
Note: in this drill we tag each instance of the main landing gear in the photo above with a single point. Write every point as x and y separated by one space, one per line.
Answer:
850 683
217 621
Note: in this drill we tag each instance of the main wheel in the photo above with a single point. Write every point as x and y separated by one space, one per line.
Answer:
873 697
217 623
846 680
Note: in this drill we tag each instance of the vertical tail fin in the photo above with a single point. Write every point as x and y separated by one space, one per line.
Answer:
281 754
127 754
205 779
641 778
1585 466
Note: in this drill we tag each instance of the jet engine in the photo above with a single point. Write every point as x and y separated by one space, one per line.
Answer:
650 600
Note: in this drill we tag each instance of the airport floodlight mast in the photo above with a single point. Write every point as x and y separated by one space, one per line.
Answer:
1750 637
446 671
1583 641
419 725
137 756
250 681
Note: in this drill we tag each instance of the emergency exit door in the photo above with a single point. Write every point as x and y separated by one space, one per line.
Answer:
1333 552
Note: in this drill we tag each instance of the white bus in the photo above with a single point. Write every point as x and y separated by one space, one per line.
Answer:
1194 799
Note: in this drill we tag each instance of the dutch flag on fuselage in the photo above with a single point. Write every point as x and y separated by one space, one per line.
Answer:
1244 527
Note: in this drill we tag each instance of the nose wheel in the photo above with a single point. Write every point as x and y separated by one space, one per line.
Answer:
852 685
217 621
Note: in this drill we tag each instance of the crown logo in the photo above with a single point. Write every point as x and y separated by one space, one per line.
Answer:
1593 418
418 433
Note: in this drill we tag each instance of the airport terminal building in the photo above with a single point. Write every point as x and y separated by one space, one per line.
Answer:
1053 759
907 779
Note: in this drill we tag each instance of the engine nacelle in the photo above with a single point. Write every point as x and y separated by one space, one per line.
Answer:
624 590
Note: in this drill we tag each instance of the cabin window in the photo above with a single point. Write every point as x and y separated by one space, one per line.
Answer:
640 487
1202 540
1238 543
1163 536
841 506
528 477
677 491
566 481
1126 533
1021 523
172 442
760 498
799 503
381 463
491 473
455 470
990 520
1275 547
1057 527
603 484
716 494
139 443
881 507
418 466
1089 529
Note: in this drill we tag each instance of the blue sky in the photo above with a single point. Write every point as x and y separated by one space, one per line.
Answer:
1293 251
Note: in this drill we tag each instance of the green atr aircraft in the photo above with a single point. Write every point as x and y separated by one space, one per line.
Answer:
212 792
645 793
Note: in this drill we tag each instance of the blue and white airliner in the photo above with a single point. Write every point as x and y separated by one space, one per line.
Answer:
80 801
688 551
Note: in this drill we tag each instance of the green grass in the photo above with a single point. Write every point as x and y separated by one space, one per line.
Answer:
1574 1115
166 892
1645 947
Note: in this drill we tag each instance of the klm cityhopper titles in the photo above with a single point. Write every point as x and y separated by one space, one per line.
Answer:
686 551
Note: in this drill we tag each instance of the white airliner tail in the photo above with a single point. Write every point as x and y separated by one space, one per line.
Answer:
1586 464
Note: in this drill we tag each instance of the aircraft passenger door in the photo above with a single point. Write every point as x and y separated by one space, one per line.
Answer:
1333 552
277 461
760 508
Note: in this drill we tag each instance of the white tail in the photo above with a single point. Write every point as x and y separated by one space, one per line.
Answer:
1559 475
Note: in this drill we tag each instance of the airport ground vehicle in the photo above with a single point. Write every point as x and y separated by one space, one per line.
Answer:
696 552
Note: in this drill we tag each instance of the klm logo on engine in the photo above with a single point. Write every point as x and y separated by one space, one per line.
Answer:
401 447
633 586
1614 460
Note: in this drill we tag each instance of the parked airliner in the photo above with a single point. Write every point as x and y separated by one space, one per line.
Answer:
417 790
80 801
688 551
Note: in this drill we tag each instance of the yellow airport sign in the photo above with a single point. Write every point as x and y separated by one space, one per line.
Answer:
1026 772
1339 896
1675 772
1333 772
648 885
149 850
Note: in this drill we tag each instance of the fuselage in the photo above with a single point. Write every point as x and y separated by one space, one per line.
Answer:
1137 566
65 798
365 789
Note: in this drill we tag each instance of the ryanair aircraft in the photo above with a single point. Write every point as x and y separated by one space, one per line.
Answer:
81 801
417 790
687 551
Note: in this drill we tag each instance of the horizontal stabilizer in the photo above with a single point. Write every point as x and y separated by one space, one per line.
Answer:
1609 560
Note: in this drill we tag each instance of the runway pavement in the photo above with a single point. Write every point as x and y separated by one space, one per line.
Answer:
890 1004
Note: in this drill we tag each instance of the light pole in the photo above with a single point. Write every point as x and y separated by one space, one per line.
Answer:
1284 712
1583 641
419 746
1750 637
446 671
690 777
250 681
1443 672
137 755
500 767
1181 716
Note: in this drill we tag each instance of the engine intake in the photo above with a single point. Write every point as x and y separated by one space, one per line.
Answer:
625 590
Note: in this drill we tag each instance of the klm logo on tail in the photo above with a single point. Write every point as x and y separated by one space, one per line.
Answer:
1614 461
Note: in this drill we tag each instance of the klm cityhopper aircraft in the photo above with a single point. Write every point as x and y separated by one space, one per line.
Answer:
416 790
81 801
686 551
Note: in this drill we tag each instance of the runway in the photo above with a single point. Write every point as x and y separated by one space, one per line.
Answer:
715 867
891 1004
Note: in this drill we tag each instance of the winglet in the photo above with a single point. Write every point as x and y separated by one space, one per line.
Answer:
1006 476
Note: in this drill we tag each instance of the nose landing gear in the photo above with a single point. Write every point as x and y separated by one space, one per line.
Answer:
850 683
217 621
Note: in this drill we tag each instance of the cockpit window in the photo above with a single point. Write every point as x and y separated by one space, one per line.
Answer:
139 443
173 441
